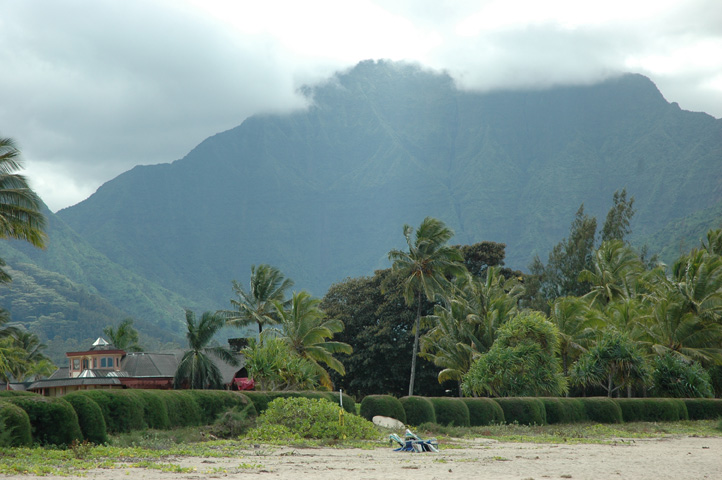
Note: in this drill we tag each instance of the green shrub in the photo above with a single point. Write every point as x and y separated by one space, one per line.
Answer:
316 418
349 404
523 410
236 421
652 409
418 410
15 429
450 411
483 411
53 420
385 405
602 410
213 403
90 418
155 411
183 410
563 410
17 393
703 408
123 411
260 400
674 377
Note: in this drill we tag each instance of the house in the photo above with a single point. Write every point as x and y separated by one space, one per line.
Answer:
105 366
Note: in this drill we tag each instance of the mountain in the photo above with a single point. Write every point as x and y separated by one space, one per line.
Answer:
323 193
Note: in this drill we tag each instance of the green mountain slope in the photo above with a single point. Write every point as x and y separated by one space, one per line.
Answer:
323 193
70 290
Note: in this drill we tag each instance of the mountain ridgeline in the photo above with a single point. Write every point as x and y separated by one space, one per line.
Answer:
322 193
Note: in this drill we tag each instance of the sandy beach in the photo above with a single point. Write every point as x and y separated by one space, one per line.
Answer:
639 459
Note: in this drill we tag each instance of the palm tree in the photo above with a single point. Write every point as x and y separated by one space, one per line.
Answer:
576 324
425 267
307 330
20 216
268 286
33 362
615 271
197 369
125 337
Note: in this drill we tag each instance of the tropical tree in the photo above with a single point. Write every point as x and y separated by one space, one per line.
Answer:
274 366
613 363
20 215
426 267
198 369
267 286
29 361
307 331
125 337
614 273
673 376
522 362
577 325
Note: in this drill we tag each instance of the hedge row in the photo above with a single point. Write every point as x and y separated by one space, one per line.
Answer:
537 411
92 414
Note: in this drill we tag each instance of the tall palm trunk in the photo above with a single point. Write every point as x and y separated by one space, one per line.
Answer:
417 327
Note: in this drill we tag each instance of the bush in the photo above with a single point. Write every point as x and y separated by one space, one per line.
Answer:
703 408
53 420
17 393
385 405
310 418
260 400
123 411
523 410
418 410
652 409
155 411
15 429
213 403
673 377
602 410
450 411
183 410
235 422
90 418
483 411
563 410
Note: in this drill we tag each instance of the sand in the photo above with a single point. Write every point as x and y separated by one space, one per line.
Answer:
660 458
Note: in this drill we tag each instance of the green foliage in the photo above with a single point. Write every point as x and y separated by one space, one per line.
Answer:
384 405
523 410
425 267
90 418
418 410
563 410
450 411
125 337
652 409
197 369
260 400
235 422
213 403
316 418
483 411
602 410
672 376
522 362
53 420
155 410
379 327
273 365
15 428
183 410
123 411
703 408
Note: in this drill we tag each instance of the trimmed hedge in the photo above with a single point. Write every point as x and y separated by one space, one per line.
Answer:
523 410
418 410
602 410
563 410
155 411
183 410
450 411
483 411
260 400
90 418
53 420
123 411
14 420
213 403
385 405
652 409
703 408
17 393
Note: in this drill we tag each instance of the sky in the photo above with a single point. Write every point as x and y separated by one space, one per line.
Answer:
89 89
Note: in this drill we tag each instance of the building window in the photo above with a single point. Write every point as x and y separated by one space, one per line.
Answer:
95 362
85 364
76 364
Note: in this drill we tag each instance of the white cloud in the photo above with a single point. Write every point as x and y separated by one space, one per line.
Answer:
91 89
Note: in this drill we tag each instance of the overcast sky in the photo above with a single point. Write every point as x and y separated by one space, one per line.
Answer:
91 88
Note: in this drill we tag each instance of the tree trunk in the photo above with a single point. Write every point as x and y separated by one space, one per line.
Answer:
416 345
461 394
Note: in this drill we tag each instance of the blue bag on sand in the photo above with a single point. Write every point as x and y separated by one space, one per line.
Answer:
412 443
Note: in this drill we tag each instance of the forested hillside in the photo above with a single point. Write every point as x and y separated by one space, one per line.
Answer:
323 193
